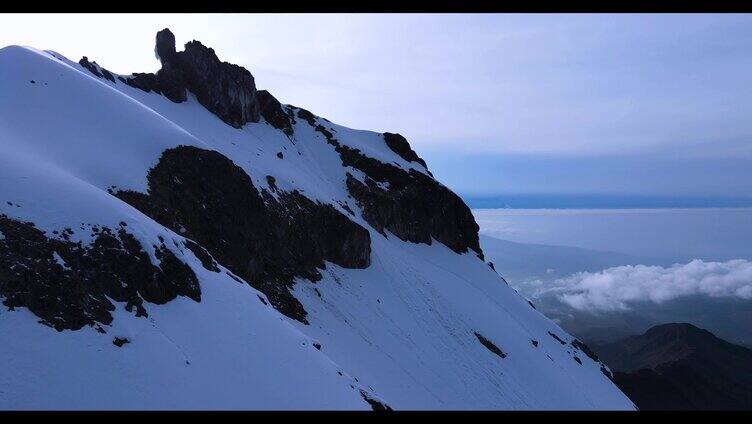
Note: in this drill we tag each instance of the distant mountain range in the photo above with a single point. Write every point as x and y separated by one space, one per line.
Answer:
681 367
602 201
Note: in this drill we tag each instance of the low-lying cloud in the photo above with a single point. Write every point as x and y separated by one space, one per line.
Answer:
615 289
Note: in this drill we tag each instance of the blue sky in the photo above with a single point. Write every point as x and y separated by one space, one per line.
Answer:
564 104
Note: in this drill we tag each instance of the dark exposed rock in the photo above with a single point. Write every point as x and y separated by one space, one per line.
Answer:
411 205
534 342
159 83
401 147
558 339
307 116
227 90
164 48
119 342
414 207
271 109
582 347
206 260
375 405
267 241
578 360
70 296
490 346
272 183
107 75
318 347
95 69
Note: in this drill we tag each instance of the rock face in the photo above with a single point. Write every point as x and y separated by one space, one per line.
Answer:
227 90
414 207
68 285
680 366
411 205
273 112
265 240
400 146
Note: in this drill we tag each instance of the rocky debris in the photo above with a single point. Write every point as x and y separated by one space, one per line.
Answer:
227 90
95 69
558 339
267 241
119 342
77 292
401 147
490 346
582 347
375 405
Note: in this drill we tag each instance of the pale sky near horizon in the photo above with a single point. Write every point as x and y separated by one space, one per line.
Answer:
620 104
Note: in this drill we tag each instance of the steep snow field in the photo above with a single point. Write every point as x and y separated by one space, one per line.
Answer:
402 330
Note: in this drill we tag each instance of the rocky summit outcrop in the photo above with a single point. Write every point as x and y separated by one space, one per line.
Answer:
214 195
69 285
270 238
267 239
227 90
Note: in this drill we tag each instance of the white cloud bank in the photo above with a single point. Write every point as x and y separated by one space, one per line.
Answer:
614 289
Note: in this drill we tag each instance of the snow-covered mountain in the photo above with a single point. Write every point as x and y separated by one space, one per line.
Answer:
183 240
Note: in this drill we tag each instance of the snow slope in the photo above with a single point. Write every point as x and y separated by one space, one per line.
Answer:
402 330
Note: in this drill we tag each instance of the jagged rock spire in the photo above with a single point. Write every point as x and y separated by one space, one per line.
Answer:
226 90
164 49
